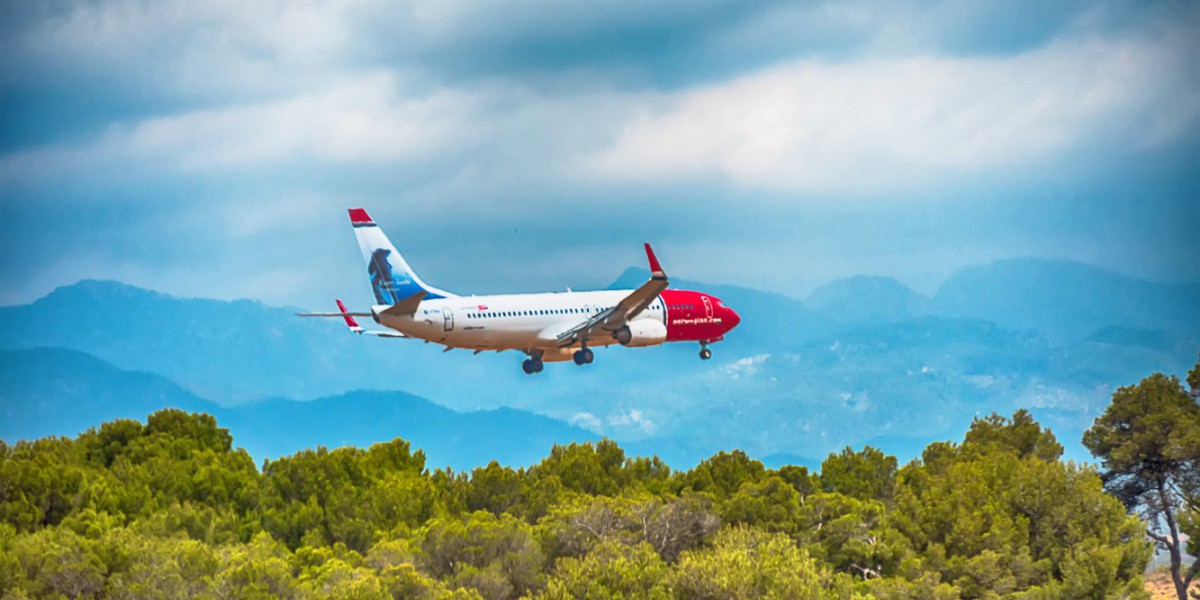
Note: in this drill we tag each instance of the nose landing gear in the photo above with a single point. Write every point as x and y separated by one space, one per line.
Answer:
705 353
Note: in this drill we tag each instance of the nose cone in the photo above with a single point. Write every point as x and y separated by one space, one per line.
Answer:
731 318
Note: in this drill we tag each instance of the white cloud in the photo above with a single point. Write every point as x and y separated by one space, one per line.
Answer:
747 366
587 421
633 418
223 50
881 123
361 119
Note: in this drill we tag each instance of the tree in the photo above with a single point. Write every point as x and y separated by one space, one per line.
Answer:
750 563
611 571
723 474
1022 435
1001 518
771 504
598 469
669 526
1149 440
865 475
495 488
496 555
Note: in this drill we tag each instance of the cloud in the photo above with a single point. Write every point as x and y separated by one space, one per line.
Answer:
587 421
633 418
751 142
362 119
876 124
748 366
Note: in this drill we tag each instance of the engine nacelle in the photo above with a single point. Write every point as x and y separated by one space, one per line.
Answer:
645 332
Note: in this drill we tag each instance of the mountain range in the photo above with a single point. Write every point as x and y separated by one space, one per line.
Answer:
53 391
861 360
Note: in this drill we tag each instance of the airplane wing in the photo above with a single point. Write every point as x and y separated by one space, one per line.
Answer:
352 324
629 307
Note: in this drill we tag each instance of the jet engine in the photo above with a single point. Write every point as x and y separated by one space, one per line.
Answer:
642 332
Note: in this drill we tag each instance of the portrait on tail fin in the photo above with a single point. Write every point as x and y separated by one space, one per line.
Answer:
382 280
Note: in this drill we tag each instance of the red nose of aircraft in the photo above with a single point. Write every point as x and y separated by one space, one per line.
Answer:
733 318
729 317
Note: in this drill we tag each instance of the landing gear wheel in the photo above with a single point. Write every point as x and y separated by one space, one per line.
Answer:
531 366
584 356
705 354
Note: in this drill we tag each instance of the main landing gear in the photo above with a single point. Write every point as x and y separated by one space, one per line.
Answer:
534 363
705 353
584 356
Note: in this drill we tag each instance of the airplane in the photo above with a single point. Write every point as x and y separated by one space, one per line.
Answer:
547 327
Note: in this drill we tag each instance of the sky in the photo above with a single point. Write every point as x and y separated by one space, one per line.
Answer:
210 149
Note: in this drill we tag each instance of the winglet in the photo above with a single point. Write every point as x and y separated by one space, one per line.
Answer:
656 271
350 322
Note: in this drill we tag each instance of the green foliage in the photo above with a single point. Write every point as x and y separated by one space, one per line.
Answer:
990 520
1021 435
260 569
722 475
495 555
171 509
799 478
669 526
853 536
863 475
496 489
610 571
600 469
1149 440
770 504
325 497
749 563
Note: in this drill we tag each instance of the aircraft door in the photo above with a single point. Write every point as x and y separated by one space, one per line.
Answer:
708 311
448 319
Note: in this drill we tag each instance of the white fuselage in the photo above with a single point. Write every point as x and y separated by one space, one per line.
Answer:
512 321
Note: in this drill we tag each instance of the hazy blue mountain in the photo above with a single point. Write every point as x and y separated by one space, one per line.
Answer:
229 352
462 440
51 391
220 350
1068 300
867 300
862 359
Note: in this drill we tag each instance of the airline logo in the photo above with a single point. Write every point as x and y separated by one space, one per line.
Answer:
391 280
698 321
359 218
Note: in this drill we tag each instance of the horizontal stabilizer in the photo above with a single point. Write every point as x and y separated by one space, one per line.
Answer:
406 307
336 314
383 334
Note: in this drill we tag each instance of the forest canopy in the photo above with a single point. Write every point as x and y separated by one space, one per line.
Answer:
172 509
